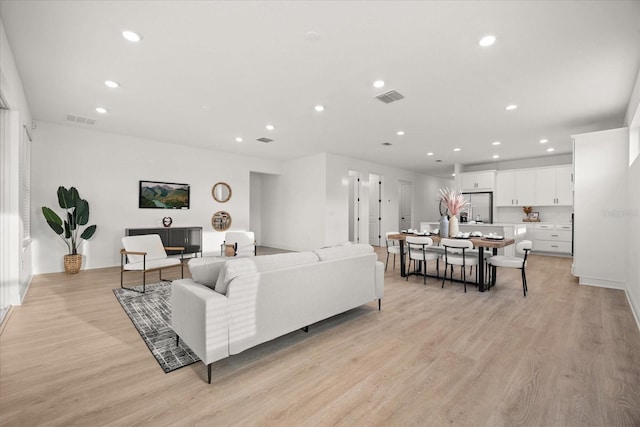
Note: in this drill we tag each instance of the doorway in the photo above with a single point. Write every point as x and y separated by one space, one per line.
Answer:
406 204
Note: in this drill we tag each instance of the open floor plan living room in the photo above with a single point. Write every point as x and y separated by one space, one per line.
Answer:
320 213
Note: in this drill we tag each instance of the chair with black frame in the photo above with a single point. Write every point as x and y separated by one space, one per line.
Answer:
456 252
392 248
418 250
239 243
511 262
145 253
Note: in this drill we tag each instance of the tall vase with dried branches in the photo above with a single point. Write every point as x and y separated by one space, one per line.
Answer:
454 201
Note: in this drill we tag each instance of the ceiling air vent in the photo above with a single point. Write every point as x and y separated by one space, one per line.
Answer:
389 97
78 119
265 140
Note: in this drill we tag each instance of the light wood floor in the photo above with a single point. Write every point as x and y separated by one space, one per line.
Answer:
566 355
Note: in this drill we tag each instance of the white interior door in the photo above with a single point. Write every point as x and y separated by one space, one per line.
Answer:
354 207
375 211
406 189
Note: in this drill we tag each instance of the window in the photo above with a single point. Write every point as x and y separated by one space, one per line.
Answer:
25 184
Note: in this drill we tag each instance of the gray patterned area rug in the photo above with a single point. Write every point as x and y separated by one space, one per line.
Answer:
151 315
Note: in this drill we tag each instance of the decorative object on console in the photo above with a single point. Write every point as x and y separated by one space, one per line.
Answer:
77 214
167 221
454 201
221 221
221 192
163 195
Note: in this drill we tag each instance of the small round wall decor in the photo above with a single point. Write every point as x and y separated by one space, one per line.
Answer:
167 221
221 221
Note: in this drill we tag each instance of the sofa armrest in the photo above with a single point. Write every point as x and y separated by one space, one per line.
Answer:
200 317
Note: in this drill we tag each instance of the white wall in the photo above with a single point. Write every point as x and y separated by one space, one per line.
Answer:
106 168
294 205
600 207
633 200
255 205
15 252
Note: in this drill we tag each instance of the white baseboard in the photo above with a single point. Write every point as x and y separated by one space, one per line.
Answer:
635 310
602 283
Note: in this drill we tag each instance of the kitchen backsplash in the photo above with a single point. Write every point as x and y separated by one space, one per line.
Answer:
554 214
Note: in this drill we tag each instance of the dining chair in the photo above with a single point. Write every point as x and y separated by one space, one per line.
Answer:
524 247
417 249
457 252
392 248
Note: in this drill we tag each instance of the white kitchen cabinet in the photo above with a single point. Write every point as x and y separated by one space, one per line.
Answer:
554 186
515 188
477 181
554 238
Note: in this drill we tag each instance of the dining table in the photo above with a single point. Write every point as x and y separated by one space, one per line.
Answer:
481 243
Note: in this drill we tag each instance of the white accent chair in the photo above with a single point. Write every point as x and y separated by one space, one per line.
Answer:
239 243
511 262
418 253
456 252
146 253
393 247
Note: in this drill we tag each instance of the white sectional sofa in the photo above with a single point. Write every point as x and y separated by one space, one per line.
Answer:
234 304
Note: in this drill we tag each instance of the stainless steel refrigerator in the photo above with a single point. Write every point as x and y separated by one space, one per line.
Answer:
480 207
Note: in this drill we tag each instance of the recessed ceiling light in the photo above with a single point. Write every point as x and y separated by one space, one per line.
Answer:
511 107
456 149
544 141
386 144
495 143
378 83
319 108
270 127
131 36
429 154
101 110
239 139
495 156
487 41
111 84
453 174
400 133
550 149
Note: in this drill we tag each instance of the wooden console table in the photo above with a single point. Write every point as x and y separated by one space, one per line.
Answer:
188 237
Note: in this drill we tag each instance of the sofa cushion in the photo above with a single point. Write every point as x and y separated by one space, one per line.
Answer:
345 251
259 264
206 270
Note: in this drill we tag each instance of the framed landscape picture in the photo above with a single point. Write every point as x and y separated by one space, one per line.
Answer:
163 195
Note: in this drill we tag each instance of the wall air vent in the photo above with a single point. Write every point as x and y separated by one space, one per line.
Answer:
78 119
265 140
389 97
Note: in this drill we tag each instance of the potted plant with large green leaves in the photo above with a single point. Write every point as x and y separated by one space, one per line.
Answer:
77 215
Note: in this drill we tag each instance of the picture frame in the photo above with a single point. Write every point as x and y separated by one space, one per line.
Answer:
533 216
163 195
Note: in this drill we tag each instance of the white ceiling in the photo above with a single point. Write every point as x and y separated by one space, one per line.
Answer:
206 72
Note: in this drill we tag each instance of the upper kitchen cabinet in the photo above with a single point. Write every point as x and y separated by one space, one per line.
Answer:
554 186
477 181
515 188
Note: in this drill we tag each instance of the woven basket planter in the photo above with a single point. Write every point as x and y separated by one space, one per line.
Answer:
72 263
